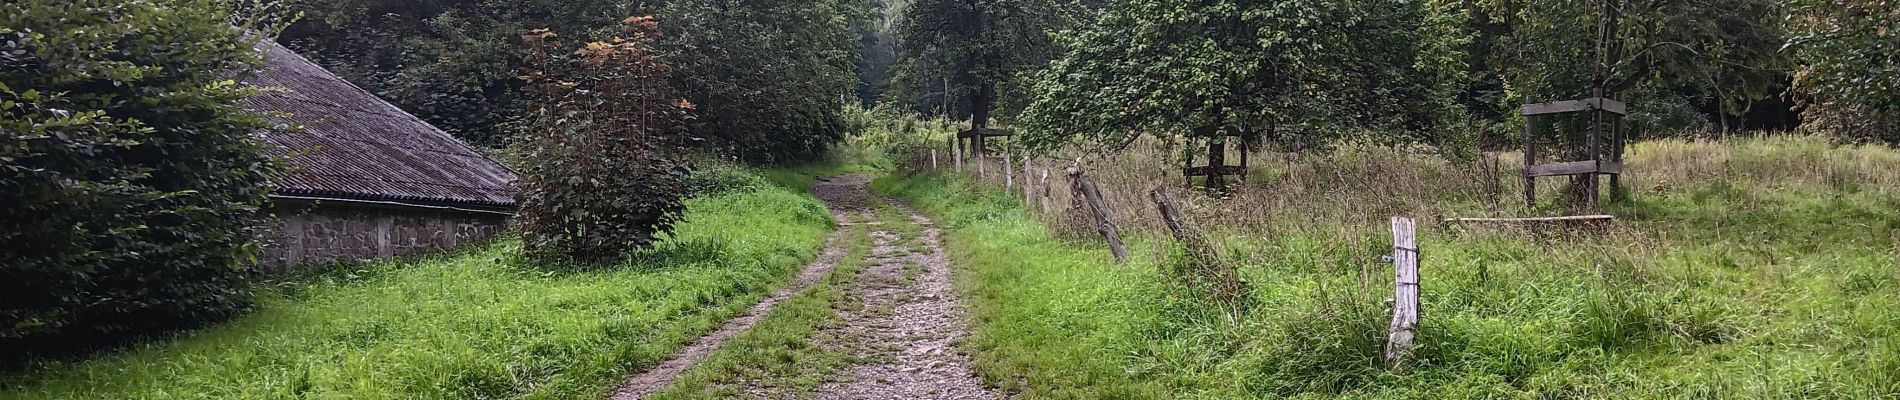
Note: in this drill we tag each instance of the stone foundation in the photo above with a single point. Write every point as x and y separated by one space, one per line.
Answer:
320 233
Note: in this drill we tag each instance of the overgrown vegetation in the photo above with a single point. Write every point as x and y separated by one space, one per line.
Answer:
129 179
771 76
768 75
1740 268
479 324
604 174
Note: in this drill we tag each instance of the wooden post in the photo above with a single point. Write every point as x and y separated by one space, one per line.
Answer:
1045 191
1530 158
933 159
959 154
1099 208
1224 279
1398 344
1171 214
1009 174
1029 201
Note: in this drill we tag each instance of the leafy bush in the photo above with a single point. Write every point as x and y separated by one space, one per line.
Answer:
129 180
602 177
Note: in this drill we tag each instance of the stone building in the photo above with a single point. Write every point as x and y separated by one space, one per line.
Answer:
366 180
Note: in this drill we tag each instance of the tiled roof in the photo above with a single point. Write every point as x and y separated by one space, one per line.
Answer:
354 145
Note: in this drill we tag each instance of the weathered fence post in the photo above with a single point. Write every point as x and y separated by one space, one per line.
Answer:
1398 344
933 159
1099 210
1045 191
1206 259
1028 184
1009 174
958 149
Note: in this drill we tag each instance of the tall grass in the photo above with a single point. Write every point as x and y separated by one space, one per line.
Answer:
1743 268
470 325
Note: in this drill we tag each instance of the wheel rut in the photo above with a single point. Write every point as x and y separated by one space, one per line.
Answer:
901 326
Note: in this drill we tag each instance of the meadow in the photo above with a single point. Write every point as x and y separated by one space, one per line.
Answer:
1749 267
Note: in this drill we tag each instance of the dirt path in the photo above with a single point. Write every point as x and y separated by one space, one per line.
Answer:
903 325
843 197
911 319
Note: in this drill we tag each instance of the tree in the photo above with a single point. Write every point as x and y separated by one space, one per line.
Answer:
1165 68
771 76
604 175
1848 53
973 45
130 180
1545 51
453 63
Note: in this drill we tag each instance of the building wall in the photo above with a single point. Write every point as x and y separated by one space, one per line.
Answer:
307 233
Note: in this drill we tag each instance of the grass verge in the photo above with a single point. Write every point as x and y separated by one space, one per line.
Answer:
783 355
1714 288
469 325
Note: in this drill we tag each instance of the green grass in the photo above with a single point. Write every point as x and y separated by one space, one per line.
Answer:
469 325
786 354
783 353
1731 286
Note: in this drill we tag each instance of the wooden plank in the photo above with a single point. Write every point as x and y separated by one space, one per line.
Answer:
1567 218
1568 106
1399 335
986 132
1223 170
1574 168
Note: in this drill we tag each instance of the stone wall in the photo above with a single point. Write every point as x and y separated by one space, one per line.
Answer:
307 233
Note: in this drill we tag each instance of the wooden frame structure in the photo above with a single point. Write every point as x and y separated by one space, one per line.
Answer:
976 138
1217 168
1604 148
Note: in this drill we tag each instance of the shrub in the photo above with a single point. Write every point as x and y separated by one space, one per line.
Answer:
602 175
129 179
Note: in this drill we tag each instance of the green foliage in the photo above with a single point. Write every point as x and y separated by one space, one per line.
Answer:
470 325
1848 66
961 51
770 76
603 175
1279 68
1725 51
129 177
453 63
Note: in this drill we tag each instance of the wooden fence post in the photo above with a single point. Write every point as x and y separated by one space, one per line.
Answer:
933 159
958 156
1028 184
1045 191
1223 277
1398 344
1009 174
1099 208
